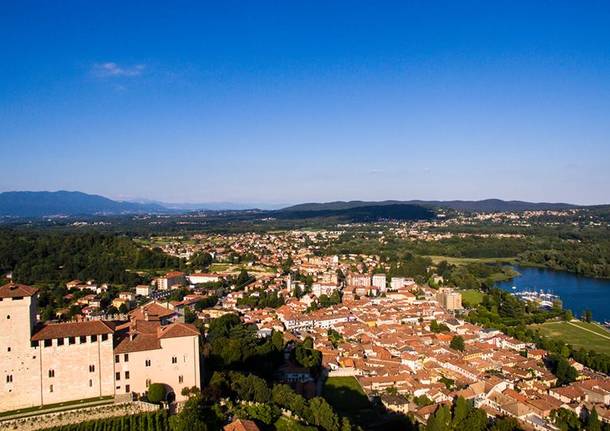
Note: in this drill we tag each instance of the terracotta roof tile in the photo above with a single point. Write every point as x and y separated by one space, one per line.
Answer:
178 330
13 290
241 425
72 329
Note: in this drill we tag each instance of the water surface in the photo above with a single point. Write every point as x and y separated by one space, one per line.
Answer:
577 293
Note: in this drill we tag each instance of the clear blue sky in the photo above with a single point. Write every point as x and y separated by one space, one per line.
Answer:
285 102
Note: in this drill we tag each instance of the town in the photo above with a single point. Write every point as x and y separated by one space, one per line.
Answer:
407 345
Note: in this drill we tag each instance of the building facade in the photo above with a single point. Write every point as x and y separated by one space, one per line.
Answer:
50 363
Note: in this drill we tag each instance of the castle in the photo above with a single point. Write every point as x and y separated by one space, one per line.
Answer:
48 363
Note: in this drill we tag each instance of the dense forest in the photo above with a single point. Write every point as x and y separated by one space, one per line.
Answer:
50 257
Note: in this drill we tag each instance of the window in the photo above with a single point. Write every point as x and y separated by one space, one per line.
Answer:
147 362
9 349
8 317
71 340
91 368
117 358
60 341
104 337
83 339
180 379
117 376
127 389
34 344
174 360
48 343
93 338
51 388
90 383
51 373
126 357
9 378
148 382
126 375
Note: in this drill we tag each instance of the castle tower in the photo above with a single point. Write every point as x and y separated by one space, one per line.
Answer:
19 363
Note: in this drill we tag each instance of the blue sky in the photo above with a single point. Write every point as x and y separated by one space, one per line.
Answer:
286 102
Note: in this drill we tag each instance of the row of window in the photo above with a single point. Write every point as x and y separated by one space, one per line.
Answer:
117 376
117 359
9 379
91 370
71 340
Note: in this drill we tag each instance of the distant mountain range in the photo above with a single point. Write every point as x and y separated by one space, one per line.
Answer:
487 205
210 206
362 213
37 204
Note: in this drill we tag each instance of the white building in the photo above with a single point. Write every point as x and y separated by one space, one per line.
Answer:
379 281
319 289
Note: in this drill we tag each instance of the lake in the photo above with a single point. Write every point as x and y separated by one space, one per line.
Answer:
577 293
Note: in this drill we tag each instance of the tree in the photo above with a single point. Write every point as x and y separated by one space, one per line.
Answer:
505 424
457 343
323 414
461 408
189 315
306 355
587 316
201 260
156 393
243 279
593 423
196 416
562 369
568 315
440 420
565 420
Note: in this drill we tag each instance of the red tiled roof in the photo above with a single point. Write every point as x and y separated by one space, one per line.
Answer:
139 343
177 330
140 335
13 290
152 309
72 329
241 425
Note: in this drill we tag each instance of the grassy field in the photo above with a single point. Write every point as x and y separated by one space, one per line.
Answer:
236 268
471 296
590 336
345 393
466 260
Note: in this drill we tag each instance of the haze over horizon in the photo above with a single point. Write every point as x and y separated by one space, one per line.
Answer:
287 103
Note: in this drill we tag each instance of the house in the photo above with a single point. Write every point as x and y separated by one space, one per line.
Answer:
128 296
395 403
200 278
143 290
241 425
171 279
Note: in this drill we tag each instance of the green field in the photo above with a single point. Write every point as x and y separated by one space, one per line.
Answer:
471 297
346 396
466 260
589 336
